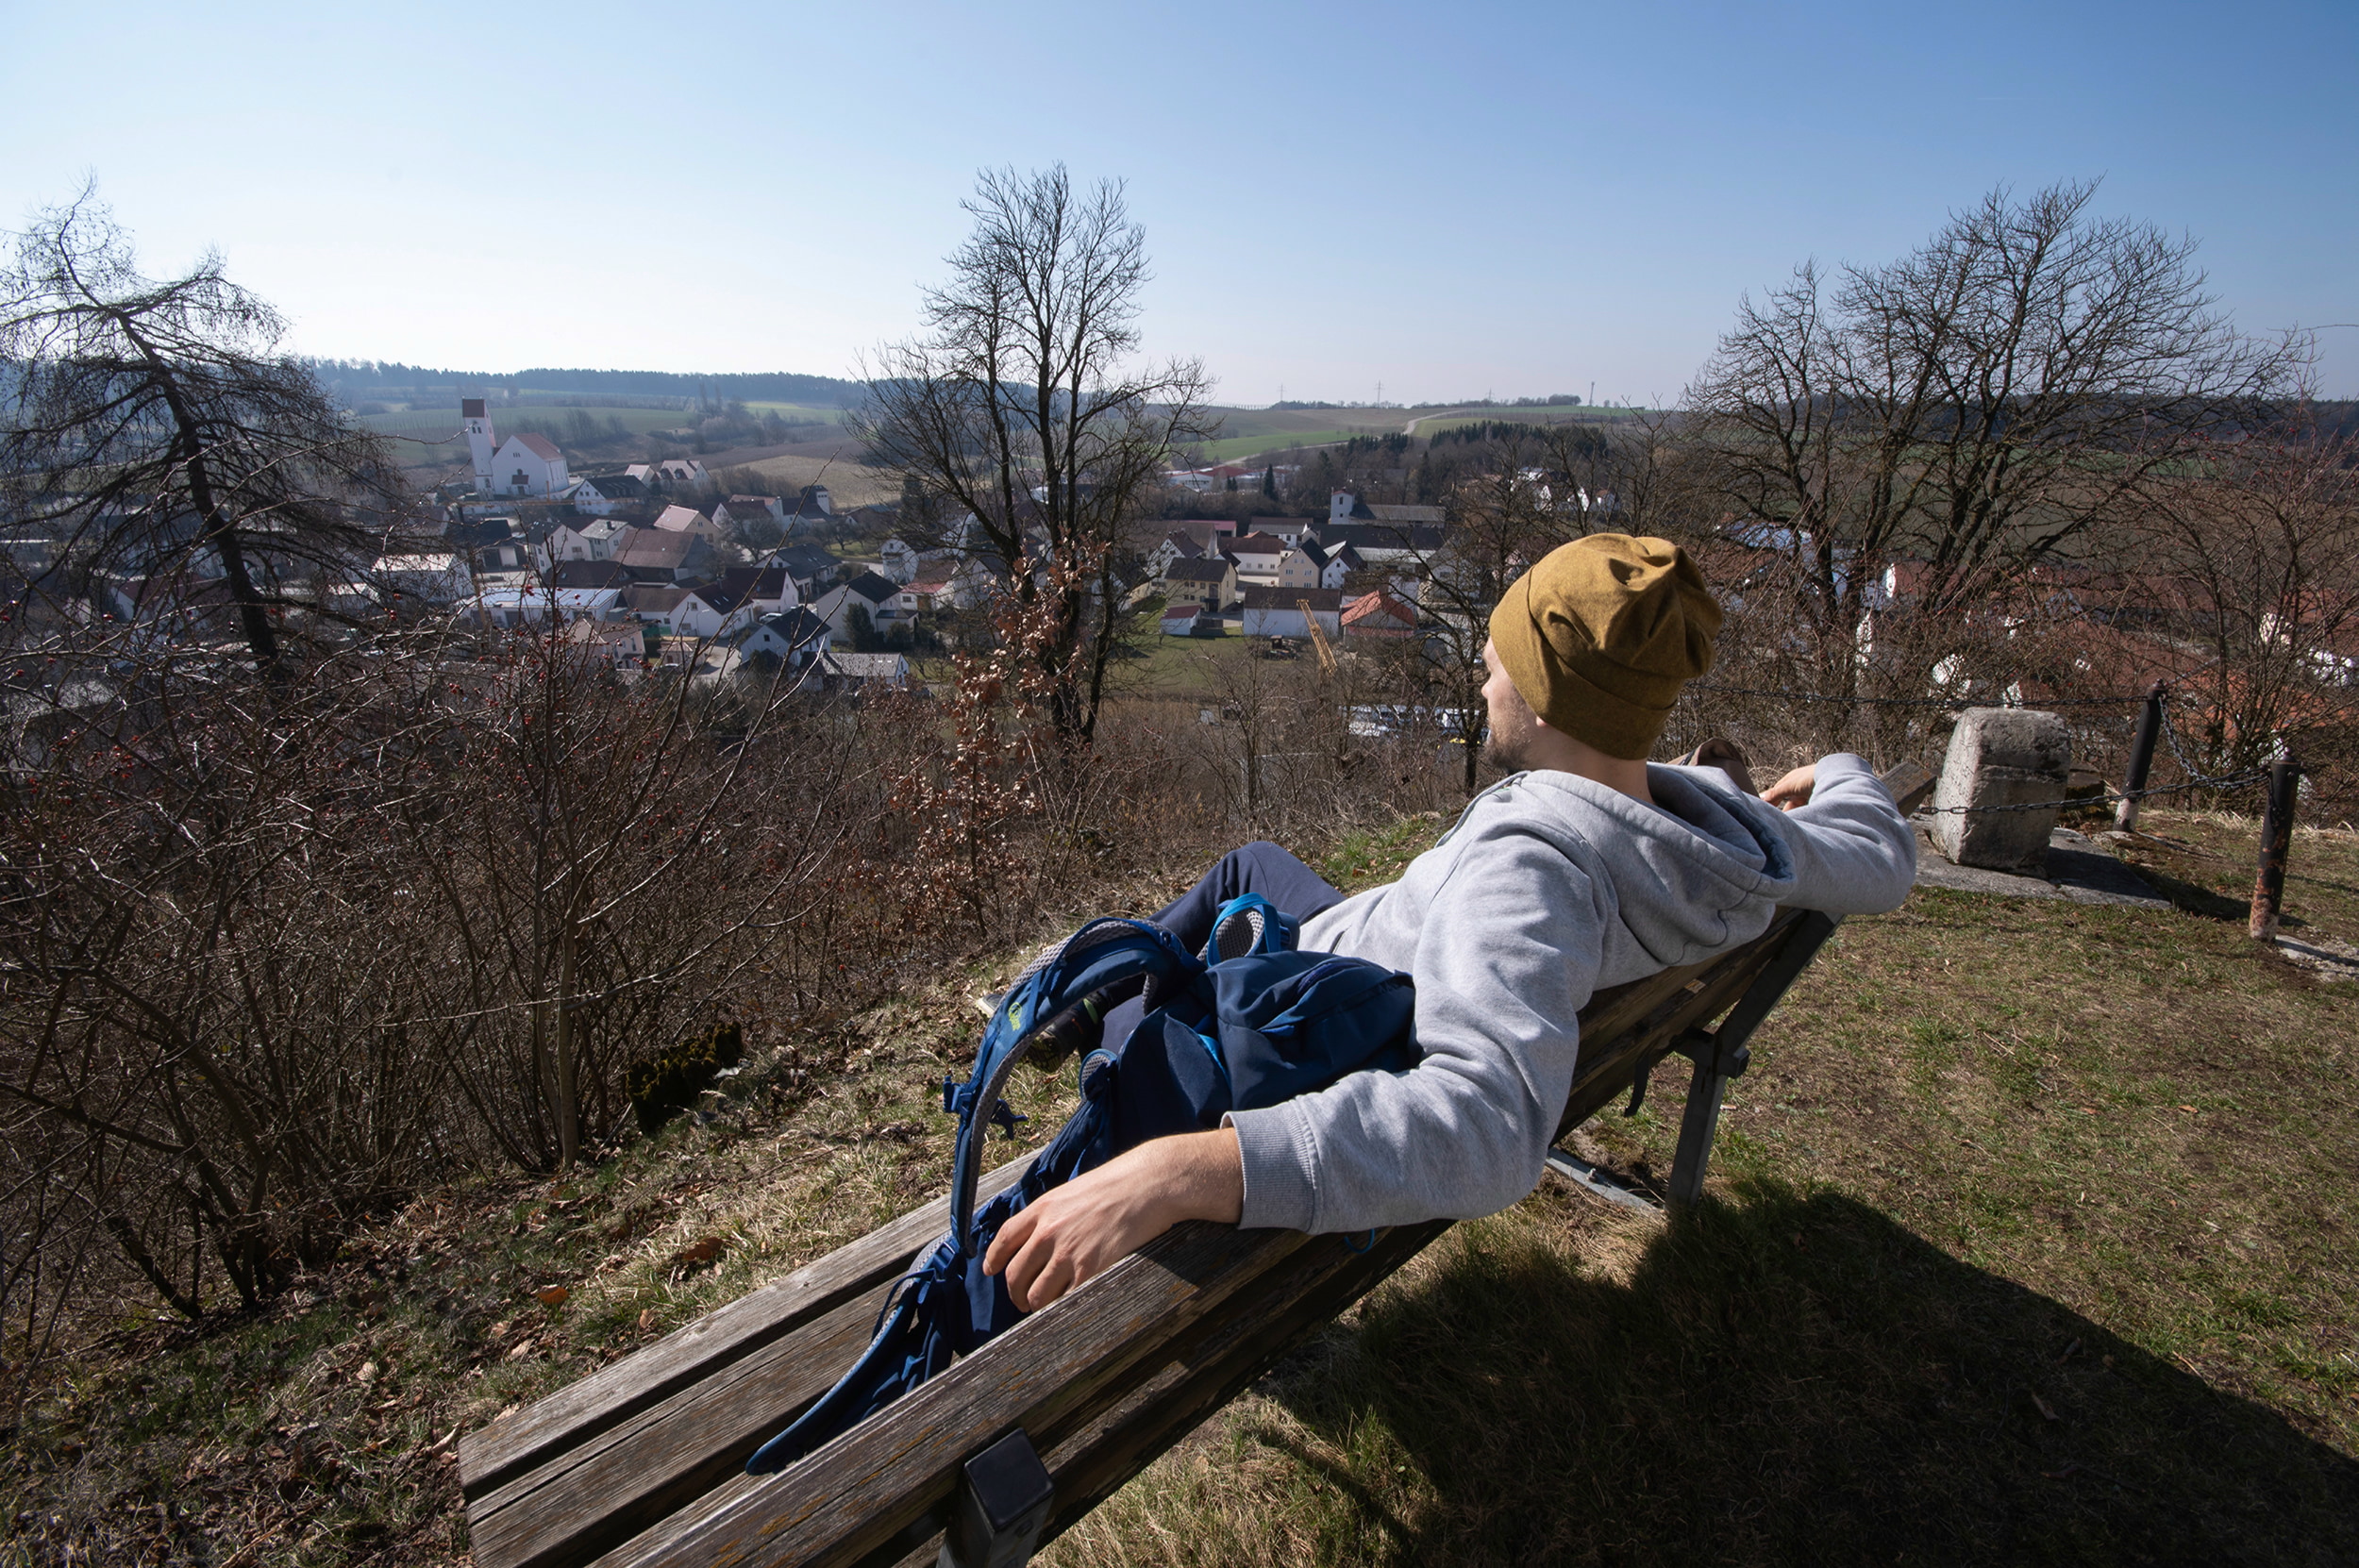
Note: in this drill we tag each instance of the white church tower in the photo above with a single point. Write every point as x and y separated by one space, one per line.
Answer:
476 421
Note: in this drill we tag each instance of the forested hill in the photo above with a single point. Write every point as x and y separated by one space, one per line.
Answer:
417 383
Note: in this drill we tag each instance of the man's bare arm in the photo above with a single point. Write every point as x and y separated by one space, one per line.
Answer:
1100 1217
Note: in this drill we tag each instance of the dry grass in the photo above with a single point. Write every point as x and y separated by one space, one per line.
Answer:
2034 1246
849 484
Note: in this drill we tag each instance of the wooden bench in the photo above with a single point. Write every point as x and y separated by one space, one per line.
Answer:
641 1463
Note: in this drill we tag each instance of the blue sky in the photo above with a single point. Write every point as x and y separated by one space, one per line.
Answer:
1446 200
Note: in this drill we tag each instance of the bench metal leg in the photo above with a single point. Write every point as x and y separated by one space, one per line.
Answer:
1698 1123
1720 1053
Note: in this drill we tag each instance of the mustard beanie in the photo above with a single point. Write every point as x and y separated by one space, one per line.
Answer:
1602 633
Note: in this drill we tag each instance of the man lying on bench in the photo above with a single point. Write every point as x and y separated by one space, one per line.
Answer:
1588 868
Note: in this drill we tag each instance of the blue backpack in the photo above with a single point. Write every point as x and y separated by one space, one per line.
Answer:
1251 1023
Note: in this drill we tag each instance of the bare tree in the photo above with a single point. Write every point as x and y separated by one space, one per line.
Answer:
2250 562
1020 404
1984 403
154 429
1504 518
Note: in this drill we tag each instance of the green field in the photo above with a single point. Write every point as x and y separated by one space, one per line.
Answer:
1231 448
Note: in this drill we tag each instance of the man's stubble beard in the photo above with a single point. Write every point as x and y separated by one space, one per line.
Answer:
1508 746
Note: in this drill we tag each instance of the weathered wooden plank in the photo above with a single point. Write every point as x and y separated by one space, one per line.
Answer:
607 1489
1099 1448
865 1490
499 1453
1093 1461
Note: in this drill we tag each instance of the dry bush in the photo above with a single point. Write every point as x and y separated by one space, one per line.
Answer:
280 952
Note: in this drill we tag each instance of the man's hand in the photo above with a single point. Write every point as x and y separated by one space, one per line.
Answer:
1076 1232
1793 789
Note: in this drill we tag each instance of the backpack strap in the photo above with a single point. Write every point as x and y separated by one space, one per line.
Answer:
1106 961
1248 926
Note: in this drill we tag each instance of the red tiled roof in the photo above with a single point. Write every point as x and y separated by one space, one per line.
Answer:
539 447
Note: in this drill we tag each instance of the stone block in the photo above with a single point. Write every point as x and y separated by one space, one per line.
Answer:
2002 757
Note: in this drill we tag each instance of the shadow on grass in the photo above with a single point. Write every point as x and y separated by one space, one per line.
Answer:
1790 1378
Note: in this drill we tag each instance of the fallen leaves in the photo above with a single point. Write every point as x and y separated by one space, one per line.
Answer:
552 1296
696 1255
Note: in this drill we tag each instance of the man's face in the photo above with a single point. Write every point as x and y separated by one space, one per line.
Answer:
1513 721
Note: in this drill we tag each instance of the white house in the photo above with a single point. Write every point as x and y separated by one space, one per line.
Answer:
592 539
670 471
849 672
866 592
950 584
1291 529
440 578
599 494
792 636
897 559
1277 611
609 643
531 604
737 510
705 613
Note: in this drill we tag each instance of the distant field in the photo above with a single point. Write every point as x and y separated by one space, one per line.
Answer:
799 413
848 483
1231 448
436 424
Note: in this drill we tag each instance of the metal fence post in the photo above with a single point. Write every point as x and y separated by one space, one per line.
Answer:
2277 832
2141 760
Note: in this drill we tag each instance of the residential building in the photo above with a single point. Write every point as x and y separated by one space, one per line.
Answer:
1278 611
586 539
793 637
611 642
1387 545
688 520
439 578
1379 614
653 603
1210 582
856 672
868 592
1291 529
766 589
950 584
1343 507
898 559
599 494
1190 542
1264 561
589 574
667 473
531 604
662 555
811 569
737 510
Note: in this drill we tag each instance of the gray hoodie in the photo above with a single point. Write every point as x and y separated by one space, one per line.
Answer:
1547 888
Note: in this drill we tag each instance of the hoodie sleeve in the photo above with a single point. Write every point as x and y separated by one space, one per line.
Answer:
1853 852
1506 958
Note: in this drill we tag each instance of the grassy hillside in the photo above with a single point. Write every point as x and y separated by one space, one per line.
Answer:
2033 1244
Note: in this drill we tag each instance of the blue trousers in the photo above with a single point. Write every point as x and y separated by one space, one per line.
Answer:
1261 867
